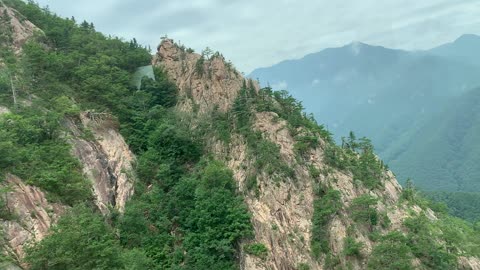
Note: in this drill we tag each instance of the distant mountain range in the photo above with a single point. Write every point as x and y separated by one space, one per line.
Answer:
417 107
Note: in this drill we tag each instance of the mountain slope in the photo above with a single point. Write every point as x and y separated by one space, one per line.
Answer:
387 100
464 49
448 146
226 175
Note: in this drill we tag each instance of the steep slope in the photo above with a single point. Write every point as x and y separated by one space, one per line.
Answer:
283 200
204 81
348 86
463 49
29 216
28 210
228 175
15 29
106 158
386 95
445 153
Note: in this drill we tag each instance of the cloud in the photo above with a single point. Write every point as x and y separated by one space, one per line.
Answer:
261 33
355 47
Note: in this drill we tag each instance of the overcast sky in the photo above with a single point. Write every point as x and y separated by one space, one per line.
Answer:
263 32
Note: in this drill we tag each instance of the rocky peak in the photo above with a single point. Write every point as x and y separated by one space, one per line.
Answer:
16 27
205 81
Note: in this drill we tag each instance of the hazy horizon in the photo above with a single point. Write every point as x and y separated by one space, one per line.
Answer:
270 30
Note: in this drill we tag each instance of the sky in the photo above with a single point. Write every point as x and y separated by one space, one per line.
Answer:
261 33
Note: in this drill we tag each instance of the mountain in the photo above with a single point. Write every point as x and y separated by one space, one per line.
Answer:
464 49
386 95
196 168
446 150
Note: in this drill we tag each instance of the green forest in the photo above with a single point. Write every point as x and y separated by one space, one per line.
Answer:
174 220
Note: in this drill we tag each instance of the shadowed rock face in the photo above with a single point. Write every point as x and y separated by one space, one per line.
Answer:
32 215
106 158
203 85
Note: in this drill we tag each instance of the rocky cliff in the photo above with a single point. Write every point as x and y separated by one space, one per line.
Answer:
31 215
204 81
18 29
106 158
282 210
313 205
107 162
96 142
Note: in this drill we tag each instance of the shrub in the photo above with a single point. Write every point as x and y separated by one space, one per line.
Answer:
352 247
392 252
256 249
363 210
326 205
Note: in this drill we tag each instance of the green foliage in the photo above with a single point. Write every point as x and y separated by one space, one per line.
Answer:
409 193
93 69
392 252
161 91
443 154
304 143
303 266
81 240
174 221
363 210
256 249
352 247
359 158
423 239
185 225
30 138
332 261
265 153
465 205
290 109
200 66
268 159
327 203
385 221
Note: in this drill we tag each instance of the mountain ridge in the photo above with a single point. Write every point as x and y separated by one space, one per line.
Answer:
386 101
226 175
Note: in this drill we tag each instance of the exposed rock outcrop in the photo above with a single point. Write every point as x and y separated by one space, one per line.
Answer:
21 29
106 158
282 209
4 110
469 263
204 82
31 215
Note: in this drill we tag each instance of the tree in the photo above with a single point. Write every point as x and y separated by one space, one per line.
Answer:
363 209
81 240
392 253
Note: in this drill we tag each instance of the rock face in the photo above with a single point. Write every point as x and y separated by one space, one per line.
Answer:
106 158
204 82
4 110
31 215
107 162
20 28
469 263
282 210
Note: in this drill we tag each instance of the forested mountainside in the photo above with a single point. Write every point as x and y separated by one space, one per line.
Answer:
450 140
395 98
198 169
